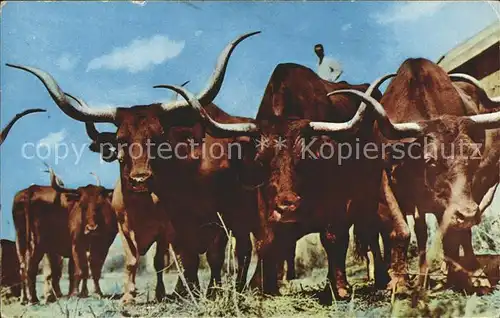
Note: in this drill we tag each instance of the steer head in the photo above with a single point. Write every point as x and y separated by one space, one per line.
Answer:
142 129
444 161
88 202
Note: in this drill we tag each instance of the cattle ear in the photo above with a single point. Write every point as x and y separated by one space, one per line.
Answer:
109 193
107 150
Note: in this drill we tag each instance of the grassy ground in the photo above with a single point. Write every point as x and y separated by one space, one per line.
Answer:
297 300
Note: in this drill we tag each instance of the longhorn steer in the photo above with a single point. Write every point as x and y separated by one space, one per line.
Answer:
427 111
193 186
298 194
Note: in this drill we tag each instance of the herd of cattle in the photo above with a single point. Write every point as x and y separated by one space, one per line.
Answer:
275 193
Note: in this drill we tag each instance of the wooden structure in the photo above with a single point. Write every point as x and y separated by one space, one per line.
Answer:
478 56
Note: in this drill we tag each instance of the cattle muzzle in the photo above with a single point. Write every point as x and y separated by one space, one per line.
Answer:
286 210
90 229
140 181
466 218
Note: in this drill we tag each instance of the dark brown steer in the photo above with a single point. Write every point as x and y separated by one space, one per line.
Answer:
299 190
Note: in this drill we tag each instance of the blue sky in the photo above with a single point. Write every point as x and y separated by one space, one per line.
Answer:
113 53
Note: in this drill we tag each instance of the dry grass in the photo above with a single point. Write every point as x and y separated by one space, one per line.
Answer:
297 298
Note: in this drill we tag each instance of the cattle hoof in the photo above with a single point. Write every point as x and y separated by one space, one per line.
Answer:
50 298
34 301
83 295
128 299
160 295
97 295
343 293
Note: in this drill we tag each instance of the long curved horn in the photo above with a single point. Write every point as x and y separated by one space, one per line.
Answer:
215 81
90 128
486 121
97 180
7 128
176 95
92 131
56 183
488 198
58 96
472 80
390 130
214 128
353 123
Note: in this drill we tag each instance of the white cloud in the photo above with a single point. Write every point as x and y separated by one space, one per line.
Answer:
53 138
346 27
67 62
408 11
139 3
140 55
198 33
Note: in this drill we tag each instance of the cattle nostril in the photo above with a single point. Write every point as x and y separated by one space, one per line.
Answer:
90 228
460 216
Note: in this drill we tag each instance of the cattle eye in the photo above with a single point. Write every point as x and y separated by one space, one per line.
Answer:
121 154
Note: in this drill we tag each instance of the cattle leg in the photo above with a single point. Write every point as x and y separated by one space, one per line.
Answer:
71 274
367 229
81 270
290 261
215 258
479 282
244 257
131 261
21 255
190 261
33 260
53 290
335 245
421 233
97 257
456 278
470 260
399 236
159 262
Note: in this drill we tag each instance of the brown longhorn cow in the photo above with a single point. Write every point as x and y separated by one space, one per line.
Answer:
7 128
62 222
433 164
9 263
10 268
298 191
193 184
